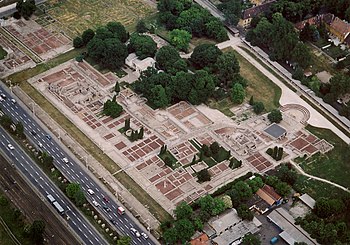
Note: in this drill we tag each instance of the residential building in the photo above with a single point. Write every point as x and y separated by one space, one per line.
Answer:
265 199
249 14
139 65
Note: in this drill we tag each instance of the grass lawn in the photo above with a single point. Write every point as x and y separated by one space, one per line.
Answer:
223 105
3 53
317 189
336 52
259 86
320 62
75 16
90 147
22 76
333 166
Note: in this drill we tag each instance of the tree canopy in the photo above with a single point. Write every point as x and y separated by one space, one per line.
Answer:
180 39
275 116
205 55
26 8
142 45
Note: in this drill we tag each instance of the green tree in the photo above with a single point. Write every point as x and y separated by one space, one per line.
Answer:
258 107
118 31
203 176
193 20
251 100
140 134
180 39
283 188
255 184
5 121
26 8
166 57
79 198
227 67
286 174
250 239
243 189
124 240
171 236
20 129
215 148
36 231
142 45
117 88
182 84
205 55
237 93
141 26
185 228
244 212
127 124
112 108
216 30
232 10
183 211
159 97
109 53
275 116
78 42
301 55
47 159
87 35
72 189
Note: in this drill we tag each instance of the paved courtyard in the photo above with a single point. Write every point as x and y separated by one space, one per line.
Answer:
80 91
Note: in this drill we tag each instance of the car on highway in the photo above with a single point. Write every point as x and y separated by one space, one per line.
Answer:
135 232
40 145
10 147
48 137
65 160
3 96
113 221
13 101
33 133
144 235
1 99
96 204
91 192
106 208
105 199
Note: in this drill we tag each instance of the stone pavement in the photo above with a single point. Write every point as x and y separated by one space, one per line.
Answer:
94 167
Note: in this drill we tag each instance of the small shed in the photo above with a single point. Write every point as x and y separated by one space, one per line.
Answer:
276 131
307 200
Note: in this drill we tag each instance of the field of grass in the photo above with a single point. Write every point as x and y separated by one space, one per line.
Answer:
75 16
3 53
333 166
317 189
141 195
223 105
320 62
4 237
259 86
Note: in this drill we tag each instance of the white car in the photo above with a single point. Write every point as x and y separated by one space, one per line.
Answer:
136 233
13 101
95 203
10 147
65 160
40 145
144 235
1 99
3 95
91 192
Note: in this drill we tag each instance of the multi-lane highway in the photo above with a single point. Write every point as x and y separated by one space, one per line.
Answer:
73 171
26 165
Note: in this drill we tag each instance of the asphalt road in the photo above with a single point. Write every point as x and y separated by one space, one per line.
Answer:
73 171
16 188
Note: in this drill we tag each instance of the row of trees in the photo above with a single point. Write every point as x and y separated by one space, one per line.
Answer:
279 37
105 46
187 221
276 152
191 18
75 193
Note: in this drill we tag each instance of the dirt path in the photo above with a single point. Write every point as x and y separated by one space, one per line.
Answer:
30 204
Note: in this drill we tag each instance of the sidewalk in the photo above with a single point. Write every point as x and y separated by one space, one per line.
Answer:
110 182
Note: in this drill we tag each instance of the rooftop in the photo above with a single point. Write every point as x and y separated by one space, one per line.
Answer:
238 231
222 222
291 233
275 130
309 201
341 26
255 11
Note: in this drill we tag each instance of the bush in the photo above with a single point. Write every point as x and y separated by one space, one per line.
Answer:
258 107
203 176
78 42
269 151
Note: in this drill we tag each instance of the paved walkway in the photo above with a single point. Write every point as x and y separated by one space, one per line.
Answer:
300 170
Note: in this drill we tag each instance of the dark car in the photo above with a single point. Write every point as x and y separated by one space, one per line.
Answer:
106 208
105 199
113 221
48 137
33 133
